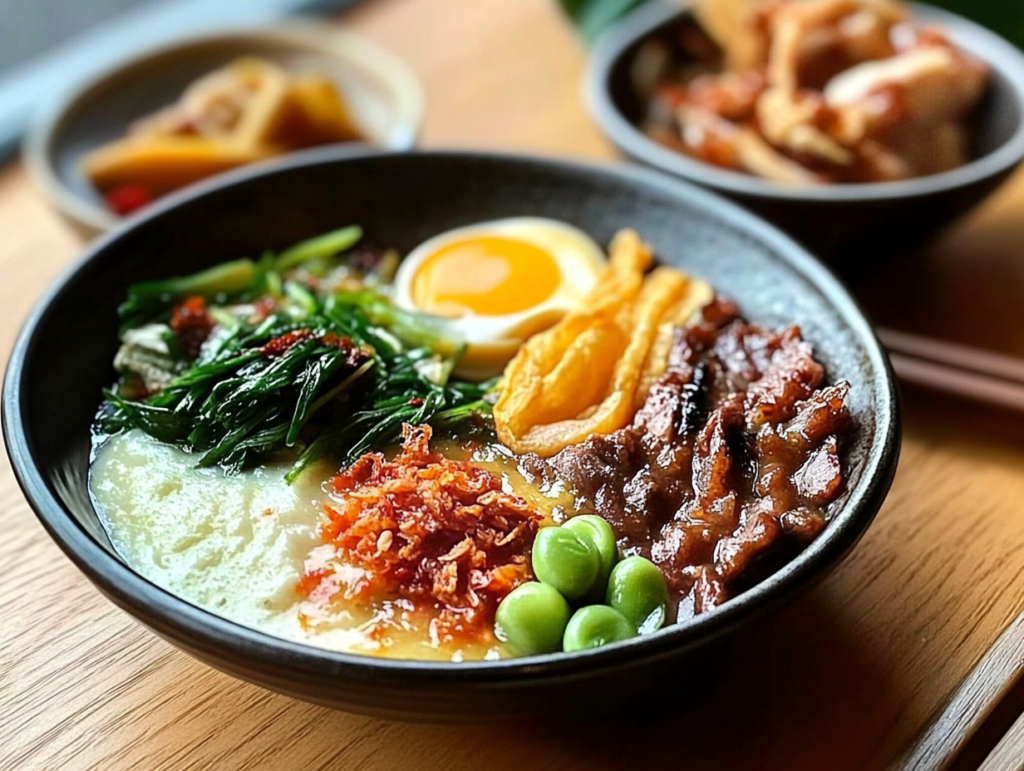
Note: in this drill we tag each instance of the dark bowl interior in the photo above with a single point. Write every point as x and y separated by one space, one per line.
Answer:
401 200
835 221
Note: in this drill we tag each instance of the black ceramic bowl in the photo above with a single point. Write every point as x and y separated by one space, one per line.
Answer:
62 360
835 221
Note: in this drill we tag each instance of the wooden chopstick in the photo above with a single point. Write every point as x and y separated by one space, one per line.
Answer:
961 356
958 369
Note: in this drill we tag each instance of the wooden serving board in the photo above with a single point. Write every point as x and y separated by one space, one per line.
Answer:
849 677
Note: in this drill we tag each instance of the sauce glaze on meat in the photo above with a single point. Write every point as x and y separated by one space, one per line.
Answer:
730 464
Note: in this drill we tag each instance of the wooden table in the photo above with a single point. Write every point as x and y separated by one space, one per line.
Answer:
847 678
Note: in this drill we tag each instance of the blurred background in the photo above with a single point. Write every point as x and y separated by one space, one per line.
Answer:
507 75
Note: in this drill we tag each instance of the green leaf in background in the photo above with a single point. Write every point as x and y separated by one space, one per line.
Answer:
592 17
1005 17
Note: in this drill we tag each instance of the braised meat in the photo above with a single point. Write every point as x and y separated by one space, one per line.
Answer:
729 465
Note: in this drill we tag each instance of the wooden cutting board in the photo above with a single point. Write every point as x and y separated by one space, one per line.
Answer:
847 678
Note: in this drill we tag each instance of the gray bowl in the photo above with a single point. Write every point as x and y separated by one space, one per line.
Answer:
844 222
400 200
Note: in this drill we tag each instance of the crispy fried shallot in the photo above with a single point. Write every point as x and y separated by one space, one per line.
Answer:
435 531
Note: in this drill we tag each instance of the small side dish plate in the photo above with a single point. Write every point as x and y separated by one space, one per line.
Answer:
384 98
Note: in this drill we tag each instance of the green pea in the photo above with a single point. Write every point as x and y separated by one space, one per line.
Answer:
637 589
594 626
601 536
532 619
565 560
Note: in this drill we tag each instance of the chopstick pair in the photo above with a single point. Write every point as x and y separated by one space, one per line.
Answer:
958 369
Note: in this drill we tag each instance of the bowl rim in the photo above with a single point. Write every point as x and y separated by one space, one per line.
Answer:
178 619
1001 55
301 33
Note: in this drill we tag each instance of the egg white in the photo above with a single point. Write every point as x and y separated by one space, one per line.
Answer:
491 341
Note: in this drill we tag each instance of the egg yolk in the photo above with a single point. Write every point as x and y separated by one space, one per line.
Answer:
486 276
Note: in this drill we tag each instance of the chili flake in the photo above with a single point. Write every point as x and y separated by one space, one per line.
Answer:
278 345
191 322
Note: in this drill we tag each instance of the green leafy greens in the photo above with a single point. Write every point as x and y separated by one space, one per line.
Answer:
592 17
323 374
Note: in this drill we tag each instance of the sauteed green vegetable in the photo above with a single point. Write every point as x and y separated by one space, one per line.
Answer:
252 357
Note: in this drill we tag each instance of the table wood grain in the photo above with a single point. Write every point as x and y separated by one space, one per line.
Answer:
846 678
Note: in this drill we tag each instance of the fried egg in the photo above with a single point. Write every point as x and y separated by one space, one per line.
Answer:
497 283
